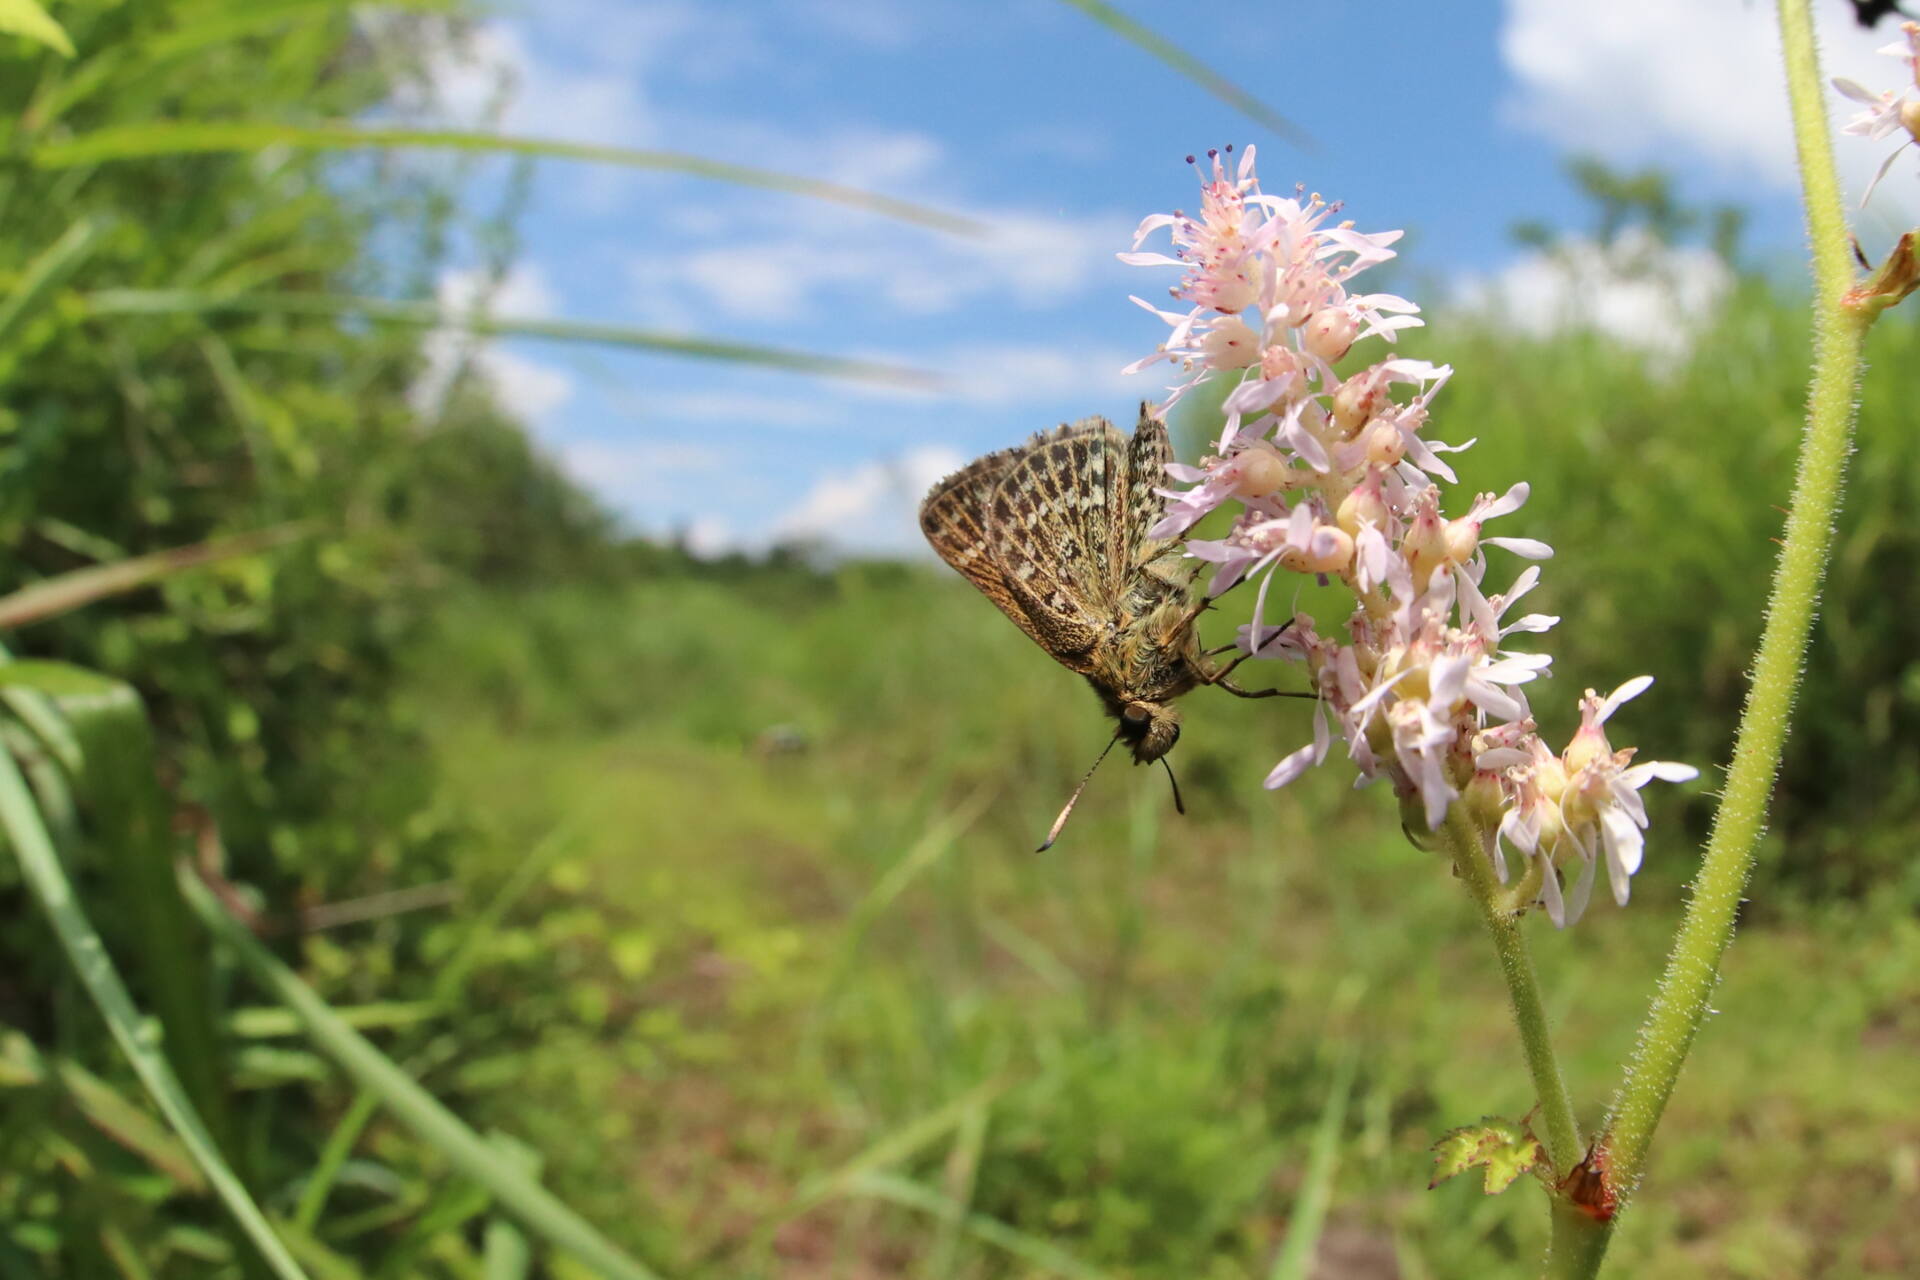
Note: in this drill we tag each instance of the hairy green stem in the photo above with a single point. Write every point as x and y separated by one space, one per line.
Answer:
1681 1003
1464 844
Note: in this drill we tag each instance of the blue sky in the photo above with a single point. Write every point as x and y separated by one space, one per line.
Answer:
1451 121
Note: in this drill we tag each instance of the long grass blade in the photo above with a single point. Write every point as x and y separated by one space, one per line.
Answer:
169 137
467 1153
1030 1249
49 270
1193 69
22 1064
899 1145
27 18
1295 1259
70 591
431 315
333 1157
47 880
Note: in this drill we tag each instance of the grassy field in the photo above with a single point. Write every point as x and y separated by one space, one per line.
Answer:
806 1003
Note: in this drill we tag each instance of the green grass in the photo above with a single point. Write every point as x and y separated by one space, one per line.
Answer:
798 945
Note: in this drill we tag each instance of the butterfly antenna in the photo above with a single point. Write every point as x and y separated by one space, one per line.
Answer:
1053 832
1179 805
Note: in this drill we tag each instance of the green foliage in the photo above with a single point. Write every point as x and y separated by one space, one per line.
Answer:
854 1006
133 448
734 922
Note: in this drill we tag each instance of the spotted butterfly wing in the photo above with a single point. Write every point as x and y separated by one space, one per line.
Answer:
1054 533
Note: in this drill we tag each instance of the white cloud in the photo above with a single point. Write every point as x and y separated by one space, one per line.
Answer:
529 390
1009 375
877 24
488 76
1633 79
522 291
725 409
1636 291
870 507
709 537
782 261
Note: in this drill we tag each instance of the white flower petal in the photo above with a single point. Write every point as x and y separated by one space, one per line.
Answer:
1550 898
1298 762
1625 693
1637 776
1494 759
1531 548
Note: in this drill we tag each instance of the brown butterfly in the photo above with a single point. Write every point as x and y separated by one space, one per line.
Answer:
1054 532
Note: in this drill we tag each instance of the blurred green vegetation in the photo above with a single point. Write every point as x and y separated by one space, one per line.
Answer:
707 888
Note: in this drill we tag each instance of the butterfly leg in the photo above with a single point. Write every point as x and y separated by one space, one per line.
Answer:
1219 678
1238 692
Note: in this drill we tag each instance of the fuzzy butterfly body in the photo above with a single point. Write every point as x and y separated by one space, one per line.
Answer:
1054 532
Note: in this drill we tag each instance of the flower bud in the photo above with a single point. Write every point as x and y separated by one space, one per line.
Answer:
1485 799
1463 539
1330 550
1358 399
1230 344
1330 333
1365 505
1278 361
1259 472
1385 445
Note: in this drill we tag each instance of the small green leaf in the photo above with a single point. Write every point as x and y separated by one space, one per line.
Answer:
1506 1149
27 18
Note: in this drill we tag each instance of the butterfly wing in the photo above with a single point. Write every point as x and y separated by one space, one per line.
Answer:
1056 519
953 516
1148 454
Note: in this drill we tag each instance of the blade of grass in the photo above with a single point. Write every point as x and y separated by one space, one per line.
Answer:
467 1153
27 18
171 137
503 1247
102 1106
962 1173
1295 1259
47 880
450 982
326 1170
1027 1248
130 817
1193 69
69 591
896 1146
108 302
49 270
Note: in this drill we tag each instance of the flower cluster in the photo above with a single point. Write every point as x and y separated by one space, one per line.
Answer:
1334 478
1889 112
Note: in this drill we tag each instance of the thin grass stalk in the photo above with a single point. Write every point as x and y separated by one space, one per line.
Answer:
47 879
470 1155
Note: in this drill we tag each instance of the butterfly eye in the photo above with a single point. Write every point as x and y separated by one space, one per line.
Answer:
1135 714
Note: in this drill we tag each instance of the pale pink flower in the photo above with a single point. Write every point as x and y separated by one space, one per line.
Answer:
1888 112
1335 481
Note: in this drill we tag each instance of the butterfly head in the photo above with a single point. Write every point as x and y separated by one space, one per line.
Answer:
1150 729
